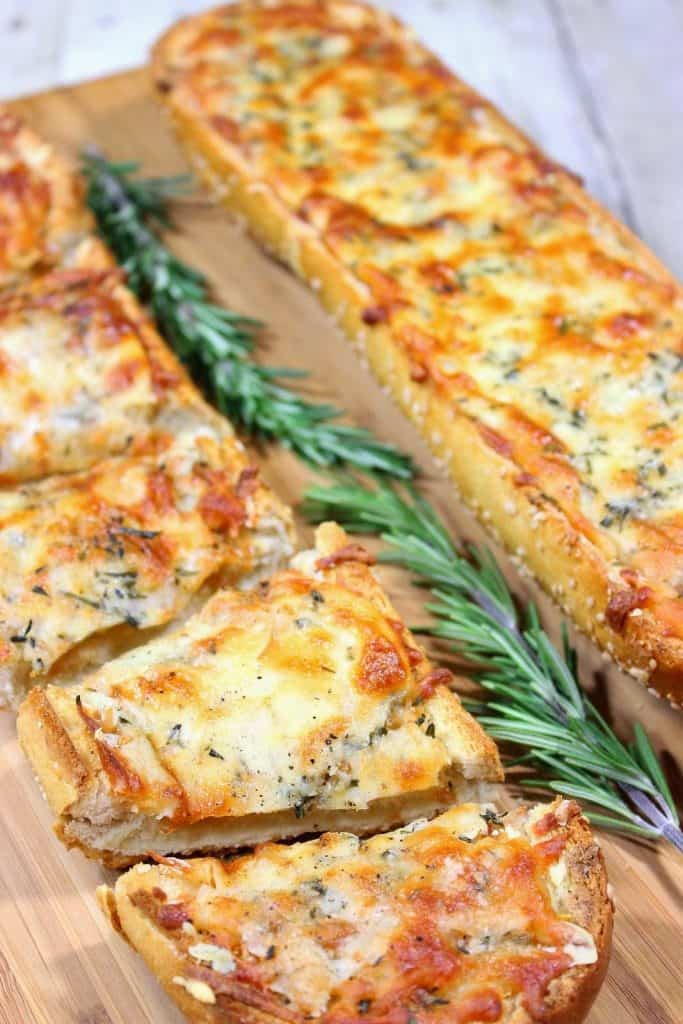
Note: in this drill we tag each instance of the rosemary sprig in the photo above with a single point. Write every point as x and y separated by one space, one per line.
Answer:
215 343
536 702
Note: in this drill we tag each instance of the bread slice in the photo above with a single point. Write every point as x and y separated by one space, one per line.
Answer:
91 562
302 706
532 339
84 373
43 217
467 918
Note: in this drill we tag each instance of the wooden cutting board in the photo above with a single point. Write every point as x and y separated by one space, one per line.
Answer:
58 961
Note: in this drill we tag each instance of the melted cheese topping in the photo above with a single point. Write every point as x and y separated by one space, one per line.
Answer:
128 542
422 924
309 694
78 380
83 372
516 300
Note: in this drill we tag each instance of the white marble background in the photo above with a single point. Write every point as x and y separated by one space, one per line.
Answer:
599 83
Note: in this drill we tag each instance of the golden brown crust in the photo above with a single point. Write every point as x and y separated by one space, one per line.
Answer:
593 907
574 560
56 762
150 905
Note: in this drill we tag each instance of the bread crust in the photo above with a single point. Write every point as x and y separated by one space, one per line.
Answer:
567 999
572 565
62 771
593 908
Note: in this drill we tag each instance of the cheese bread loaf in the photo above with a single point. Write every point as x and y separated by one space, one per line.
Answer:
43 217
124 498
533 340
90 562
83 373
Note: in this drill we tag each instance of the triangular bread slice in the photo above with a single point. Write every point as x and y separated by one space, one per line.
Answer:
468 918
302 706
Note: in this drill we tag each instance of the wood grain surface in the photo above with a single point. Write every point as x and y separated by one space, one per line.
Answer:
59 964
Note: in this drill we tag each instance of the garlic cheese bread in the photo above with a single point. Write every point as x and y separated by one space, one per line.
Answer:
42 214
126 498
90 561
301 706
468 918
512 318
83 372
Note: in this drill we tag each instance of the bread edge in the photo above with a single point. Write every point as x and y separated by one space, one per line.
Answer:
157 949
61 771
595 911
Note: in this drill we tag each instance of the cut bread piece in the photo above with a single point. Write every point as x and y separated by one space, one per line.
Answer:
84 372
302 706
91 561
43 216
533 340
467 918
